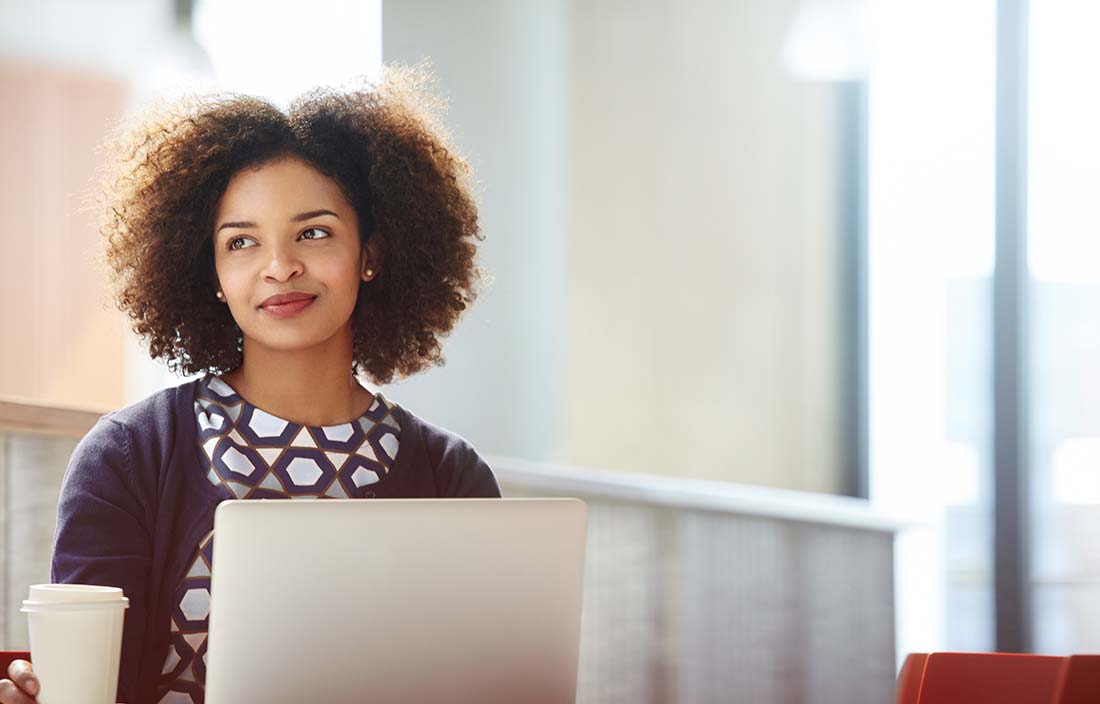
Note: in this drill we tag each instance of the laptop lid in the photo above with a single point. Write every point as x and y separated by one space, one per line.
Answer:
396 600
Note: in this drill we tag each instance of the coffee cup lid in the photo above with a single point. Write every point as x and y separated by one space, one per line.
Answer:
73 593
46 606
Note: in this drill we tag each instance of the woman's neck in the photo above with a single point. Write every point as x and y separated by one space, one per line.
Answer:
308 388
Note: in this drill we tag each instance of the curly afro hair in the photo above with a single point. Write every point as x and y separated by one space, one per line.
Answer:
381 143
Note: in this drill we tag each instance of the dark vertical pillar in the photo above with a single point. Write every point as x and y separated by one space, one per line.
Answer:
1011 430
853 310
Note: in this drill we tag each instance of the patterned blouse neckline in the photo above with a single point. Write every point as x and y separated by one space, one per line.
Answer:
254 454
219 385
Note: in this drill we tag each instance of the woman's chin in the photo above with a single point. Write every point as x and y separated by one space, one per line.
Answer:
299 338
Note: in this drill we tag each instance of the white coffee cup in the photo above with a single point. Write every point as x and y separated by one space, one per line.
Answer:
76 641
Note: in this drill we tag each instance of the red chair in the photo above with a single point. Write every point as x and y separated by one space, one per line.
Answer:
997 678
909 679
1079 680
6 658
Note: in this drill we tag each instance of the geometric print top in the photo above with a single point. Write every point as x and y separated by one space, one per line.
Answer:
251 454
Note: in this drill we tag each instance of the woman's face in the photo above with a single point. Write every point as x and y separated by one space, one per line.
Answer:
284 228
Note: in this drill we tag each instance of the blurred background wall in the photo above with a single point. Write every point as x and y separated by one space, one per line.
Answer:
660 201
62 344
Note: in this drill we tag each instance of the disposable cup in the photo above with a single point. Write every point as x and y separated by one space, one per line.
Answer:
76 641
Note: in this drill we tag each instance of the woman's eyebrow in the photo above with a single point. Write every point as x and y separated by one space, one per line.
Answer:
297 218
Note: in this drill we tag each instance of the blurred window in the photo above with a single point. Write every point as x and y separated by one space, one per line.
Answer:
279 50
930 260
1064 261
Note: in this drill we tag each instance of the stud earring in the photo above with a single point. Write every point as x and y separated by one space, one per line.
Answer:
370 273
220 295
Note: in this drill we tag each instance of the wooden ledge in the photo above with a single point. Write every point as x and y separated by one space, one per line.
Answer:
29 417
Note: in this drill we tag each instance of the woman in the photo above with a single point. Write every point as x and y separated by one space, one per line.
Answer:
283 256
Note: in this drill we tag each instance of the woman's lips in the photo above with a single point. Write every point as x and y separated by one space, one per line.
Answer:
286 310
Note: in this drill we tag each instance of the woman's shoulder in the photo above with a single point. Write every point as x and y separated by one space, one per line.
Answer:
125 448
458 468
159 406
435 436
148 422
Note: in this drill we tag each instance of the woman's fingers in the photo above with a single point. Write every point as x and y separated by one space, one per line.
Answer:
10 694
22 674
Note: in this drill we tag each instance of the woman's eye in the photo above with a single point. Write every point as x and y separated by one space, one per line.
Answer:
322 234
233 242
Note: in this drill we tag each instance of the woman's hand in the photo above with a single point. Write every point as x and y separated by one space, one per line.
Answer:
23 685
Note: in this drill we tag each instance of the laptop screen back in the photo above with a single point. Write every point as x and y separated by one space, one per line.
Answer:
413 600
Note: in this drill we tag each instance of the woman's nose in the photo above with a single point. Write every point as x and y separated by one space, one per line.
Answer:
282 264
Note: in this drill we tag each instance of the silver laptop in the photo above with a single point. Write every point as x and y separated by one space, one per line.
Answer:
396 600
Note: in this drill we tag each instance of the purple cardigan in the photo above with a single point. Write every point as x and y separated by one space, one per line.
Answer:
135 502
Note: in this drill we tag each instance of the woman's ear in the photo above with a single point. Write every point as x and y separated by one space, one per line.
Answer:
371 258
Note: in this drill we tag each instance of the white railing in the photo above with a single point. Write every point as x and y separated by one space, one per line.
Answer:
699 591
